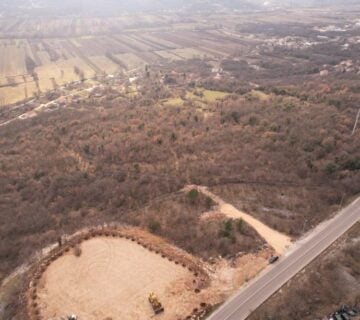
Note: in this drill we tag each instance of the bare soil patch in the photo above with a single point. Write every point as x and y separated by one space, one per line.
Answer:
108 272
113 278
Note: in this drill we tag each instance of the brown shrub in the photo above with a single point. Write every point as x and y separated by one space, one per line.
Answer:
77 251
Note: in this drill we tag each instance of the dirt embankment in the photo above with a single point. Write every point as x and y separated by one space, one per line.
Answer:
116 269
113 276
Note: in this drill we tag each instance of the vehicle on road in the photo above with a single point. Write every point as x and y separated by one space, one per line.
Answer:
273 259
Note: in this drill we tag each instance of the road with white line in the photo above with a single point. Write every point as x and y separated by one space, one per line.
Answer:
273 278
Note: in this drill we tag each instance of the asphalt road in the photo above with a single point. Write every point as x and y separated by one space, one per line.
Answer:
273 278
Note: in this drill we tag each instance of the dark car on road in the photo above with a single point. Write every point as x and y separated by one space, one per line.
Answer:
273 259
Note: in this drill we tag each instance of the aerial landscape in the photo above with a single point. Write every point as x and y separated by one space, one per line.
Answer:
179 160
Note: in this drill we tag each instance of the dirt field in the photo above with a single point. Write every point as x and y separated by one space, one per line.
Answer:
119 266
113 278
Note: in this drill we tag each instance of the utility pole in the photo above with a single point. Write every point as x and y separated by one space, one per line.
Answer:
356 122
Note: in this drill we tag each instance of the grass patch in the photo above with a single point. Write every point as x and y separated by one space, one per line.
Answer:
132 91
259 95
212 96
205 96
176 102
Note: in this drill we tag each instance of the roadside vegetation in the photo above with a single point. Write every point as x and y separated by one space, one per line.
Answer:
327 284
178 218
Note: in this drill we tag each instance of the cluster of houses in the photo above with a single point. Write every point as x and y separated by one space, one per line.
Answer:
346 66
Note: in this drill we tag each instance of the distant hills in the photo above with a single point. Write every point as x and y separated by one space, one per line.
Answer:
80 7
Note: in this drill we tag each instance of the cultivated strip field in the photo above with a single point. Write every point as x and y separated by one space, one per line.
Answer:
38 55
31 66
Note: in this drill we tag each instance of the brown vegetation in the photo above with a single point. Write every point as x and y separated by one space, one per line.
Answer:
71 168
177 218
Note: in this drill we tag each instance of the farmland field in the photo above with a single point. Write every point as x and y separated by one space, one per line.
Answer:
131 60
67 50
42 54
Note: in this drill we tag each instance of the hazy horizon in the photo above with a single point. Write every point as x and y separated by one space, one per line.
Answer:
75 7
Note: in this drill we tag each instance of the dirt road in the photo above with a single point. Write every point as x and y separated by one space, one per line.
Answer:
275 239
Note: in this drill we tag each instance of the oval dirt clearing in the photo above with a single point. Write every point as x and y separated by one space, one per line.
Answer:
112 278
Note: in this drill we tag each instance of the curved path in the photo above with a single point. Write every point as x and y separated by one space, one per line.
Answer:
280 242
